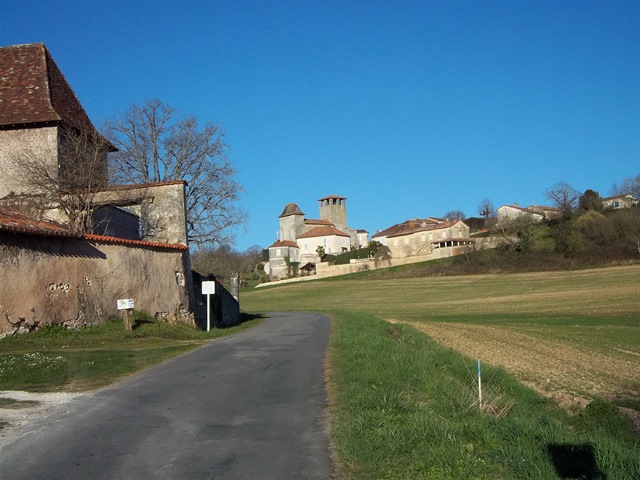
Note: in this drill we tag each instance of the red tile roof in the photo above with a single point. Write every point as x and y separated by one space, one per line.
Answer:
311 221
414 225
141 243
324 231
17 222
284 243
33 90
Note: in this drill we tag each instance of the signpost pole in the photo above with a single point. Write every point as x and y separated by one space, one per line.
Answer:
208 312
208 289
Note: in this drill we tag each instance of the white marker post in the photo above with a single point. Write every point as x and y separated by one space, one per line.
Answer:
479 385
208 289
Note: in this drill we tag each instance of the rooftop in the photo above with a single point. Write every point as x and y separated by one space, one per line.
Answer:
33 91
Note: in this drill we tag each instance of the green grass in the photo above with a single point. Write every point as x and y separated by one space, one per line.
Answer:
405 407
55 358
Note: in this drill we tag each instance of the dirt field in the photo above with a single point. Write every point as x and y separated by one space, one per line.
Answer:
570 372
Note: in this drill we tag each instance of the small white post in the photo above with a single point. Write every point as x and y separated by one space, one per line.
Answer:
479 385
208 289
208 312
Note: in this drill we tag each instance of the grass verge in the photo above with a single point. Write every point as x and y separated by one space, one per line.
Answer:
405 407
57 359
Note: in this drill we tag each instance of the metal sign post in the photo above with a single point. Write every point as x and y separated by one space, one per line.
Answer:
208 289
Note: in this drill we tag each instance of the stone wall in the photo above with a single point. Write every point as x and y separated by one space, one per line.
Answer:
225 309
78 281
15 145
160 206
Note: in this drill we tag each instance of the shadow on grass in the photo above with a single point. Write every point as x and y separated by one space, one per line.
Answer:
575 461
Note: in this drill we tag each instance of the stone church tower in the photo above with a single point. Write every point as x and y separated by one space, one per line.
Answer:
291 222
334 210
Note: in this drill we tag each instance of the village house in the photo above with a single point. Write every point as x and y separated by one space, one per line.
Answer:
620 201
537 213
419 237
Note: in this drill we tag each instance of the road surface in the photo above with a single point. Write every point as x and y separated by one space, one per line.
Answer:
248 406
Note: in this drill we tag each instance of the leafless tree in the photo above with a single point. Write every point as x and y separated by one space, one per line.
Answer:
486 209
155 145
563 195
69 182
454 215
630 185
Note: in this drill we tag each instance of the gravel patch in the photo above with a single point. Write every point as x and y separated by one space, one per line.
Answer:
12 419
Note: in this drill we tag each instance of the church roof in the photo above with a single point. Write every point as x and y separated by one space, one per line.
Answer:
291 209
33 90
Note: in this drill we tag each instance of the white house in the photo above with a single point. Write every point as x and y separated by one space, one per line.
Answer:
332 240
620 201
537 213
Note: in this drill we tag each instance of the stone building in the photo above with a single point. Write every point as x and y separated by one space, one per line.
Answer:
421 236
41 117
301 237
43 122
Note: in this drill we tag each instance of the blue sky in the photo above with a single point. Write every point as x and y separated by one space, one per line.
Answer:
407 108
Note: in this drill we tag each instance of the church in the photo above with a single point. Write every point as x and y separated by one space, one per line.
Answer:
301 240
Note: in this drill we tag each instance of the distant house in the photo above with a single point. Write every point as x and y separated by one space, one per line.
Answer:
620 201
420 236
537 213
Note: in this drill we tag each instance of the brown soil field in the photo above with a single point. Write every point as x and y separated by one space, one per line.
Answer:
570 372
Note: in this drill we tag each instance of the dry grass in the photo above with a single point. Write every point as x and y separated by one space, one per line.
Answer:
570 372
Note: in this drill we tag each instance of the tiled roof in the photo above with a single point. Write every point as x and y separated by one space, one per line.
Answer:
311 221
324 231
284 243
33 90
17 222
291 209
141 243
412 226
331 197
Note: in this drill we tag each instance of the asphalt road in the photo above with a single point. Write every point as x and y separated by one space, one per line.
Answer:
248 406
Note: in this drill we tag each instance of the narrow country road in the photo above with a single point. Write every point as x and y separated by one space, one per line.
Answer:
247 406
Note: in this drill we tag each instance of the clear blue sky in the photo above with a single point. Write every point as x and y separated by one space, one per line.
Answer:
407 108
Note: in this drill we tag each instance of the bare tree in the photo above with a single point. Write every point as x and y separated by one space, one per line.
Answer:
155 145
563 195
629 186
454 215
69 182
486 209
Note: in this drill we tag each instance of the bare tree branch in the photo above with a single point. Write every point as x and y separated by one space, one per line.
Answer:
156 146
